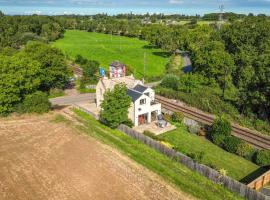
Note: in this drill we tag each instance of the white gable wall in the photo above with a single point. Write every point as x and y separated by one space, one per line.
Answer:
142 109
151 93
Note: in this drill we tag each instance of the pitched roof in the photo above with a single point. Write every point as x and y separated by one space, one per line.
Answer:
117 64
129 81
134 94
140 88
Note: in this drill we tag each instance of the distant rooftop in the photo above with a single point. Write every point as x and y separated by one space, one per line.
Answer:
117 64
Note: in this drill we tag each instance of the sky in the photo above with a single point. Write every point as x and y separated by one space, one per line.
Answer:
190 7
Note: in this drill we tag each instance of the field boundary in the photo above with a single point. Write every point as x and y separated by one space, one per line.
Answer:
204 170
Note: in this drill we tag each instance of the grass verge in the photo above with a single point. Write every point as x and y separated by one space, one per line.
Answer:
185 179
187 143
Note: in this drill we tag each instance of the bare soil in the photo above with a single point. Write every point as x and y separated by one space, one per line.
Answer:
41 159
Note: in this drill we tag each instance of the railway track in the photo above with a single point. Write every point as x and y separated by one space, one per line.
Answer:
254 138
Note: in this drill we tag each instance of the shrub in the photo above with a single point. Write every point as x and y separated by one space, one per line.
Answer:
129 123
262 157
223 172
167 117
244 149
221 126
221 129
177 117
170 81
167 144
218 139
151 135
35 103
80 60
198 157
231 144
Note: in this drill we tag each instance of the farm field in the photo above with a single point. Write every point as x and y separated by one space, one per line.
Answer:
235 166
107 48
41 157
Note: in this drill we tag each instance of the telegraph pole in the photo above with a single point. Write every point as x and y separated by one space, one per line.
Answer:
144 67
221 19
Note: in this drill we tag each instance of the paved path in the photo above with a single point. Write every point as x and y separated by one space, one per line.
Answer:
187 63
70 100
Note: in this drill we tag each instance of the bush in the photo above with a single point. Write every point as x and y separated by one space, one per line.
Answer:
262 157
35 103
218 139
151 135
167 117
221 129
170 81
221 126
198 157
223 172
244 149
231 144
177 117
129 123
80 60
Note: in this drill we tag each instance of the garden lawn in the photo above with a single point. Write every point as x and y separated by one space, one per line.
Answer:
107 48
185 142
172 171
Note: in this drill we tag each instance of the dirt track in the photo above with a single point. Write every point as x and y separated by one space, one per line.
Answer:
40 159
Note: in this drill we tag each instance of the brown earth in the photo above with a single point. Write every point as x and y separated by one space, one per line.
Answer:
41 159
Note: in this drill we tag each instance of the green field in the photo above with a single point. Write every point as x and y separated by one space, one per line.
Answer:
183 178
236 166
106 48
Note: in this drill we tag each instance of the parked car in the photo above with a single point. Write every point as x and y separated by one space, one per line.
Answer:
161 122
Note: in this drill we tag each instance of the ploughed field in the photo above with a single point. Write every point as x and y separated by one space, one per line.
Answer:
44 158
106 48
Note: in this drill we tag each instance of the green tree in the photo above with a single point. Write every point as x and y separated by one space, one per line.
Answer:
20 76
114 108
37 102
214 62
221 129
54 70
170 81
90 71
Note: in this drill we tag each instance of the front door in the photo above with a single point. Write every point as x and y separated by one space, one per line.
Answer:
143 119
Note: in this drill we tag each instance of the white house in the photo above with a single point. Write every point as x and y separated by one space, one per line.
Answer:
143 108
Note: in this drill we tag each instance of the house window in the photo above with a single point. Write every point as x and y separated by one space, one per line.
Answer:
147 94
142 101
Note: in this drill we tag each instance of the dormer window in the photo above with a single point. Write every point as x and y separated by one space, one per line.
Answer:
142 101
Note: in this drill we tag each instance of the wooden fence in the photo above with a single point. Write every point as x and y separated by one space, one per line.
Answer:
204 170
261 181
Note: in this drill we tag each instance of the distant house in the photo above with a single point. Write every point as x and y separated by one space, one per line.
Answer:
117 70
143 108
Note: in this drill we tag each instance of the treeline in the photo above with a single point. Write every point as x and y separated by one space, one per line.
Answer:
16 31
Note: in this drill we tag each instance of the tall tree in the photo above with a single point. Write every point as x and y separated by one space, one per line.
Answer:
54 70
20 76
115 106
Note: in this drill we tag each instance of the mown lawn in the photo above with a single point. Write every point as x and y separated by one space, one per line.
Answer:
185 142
185 179
106 48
